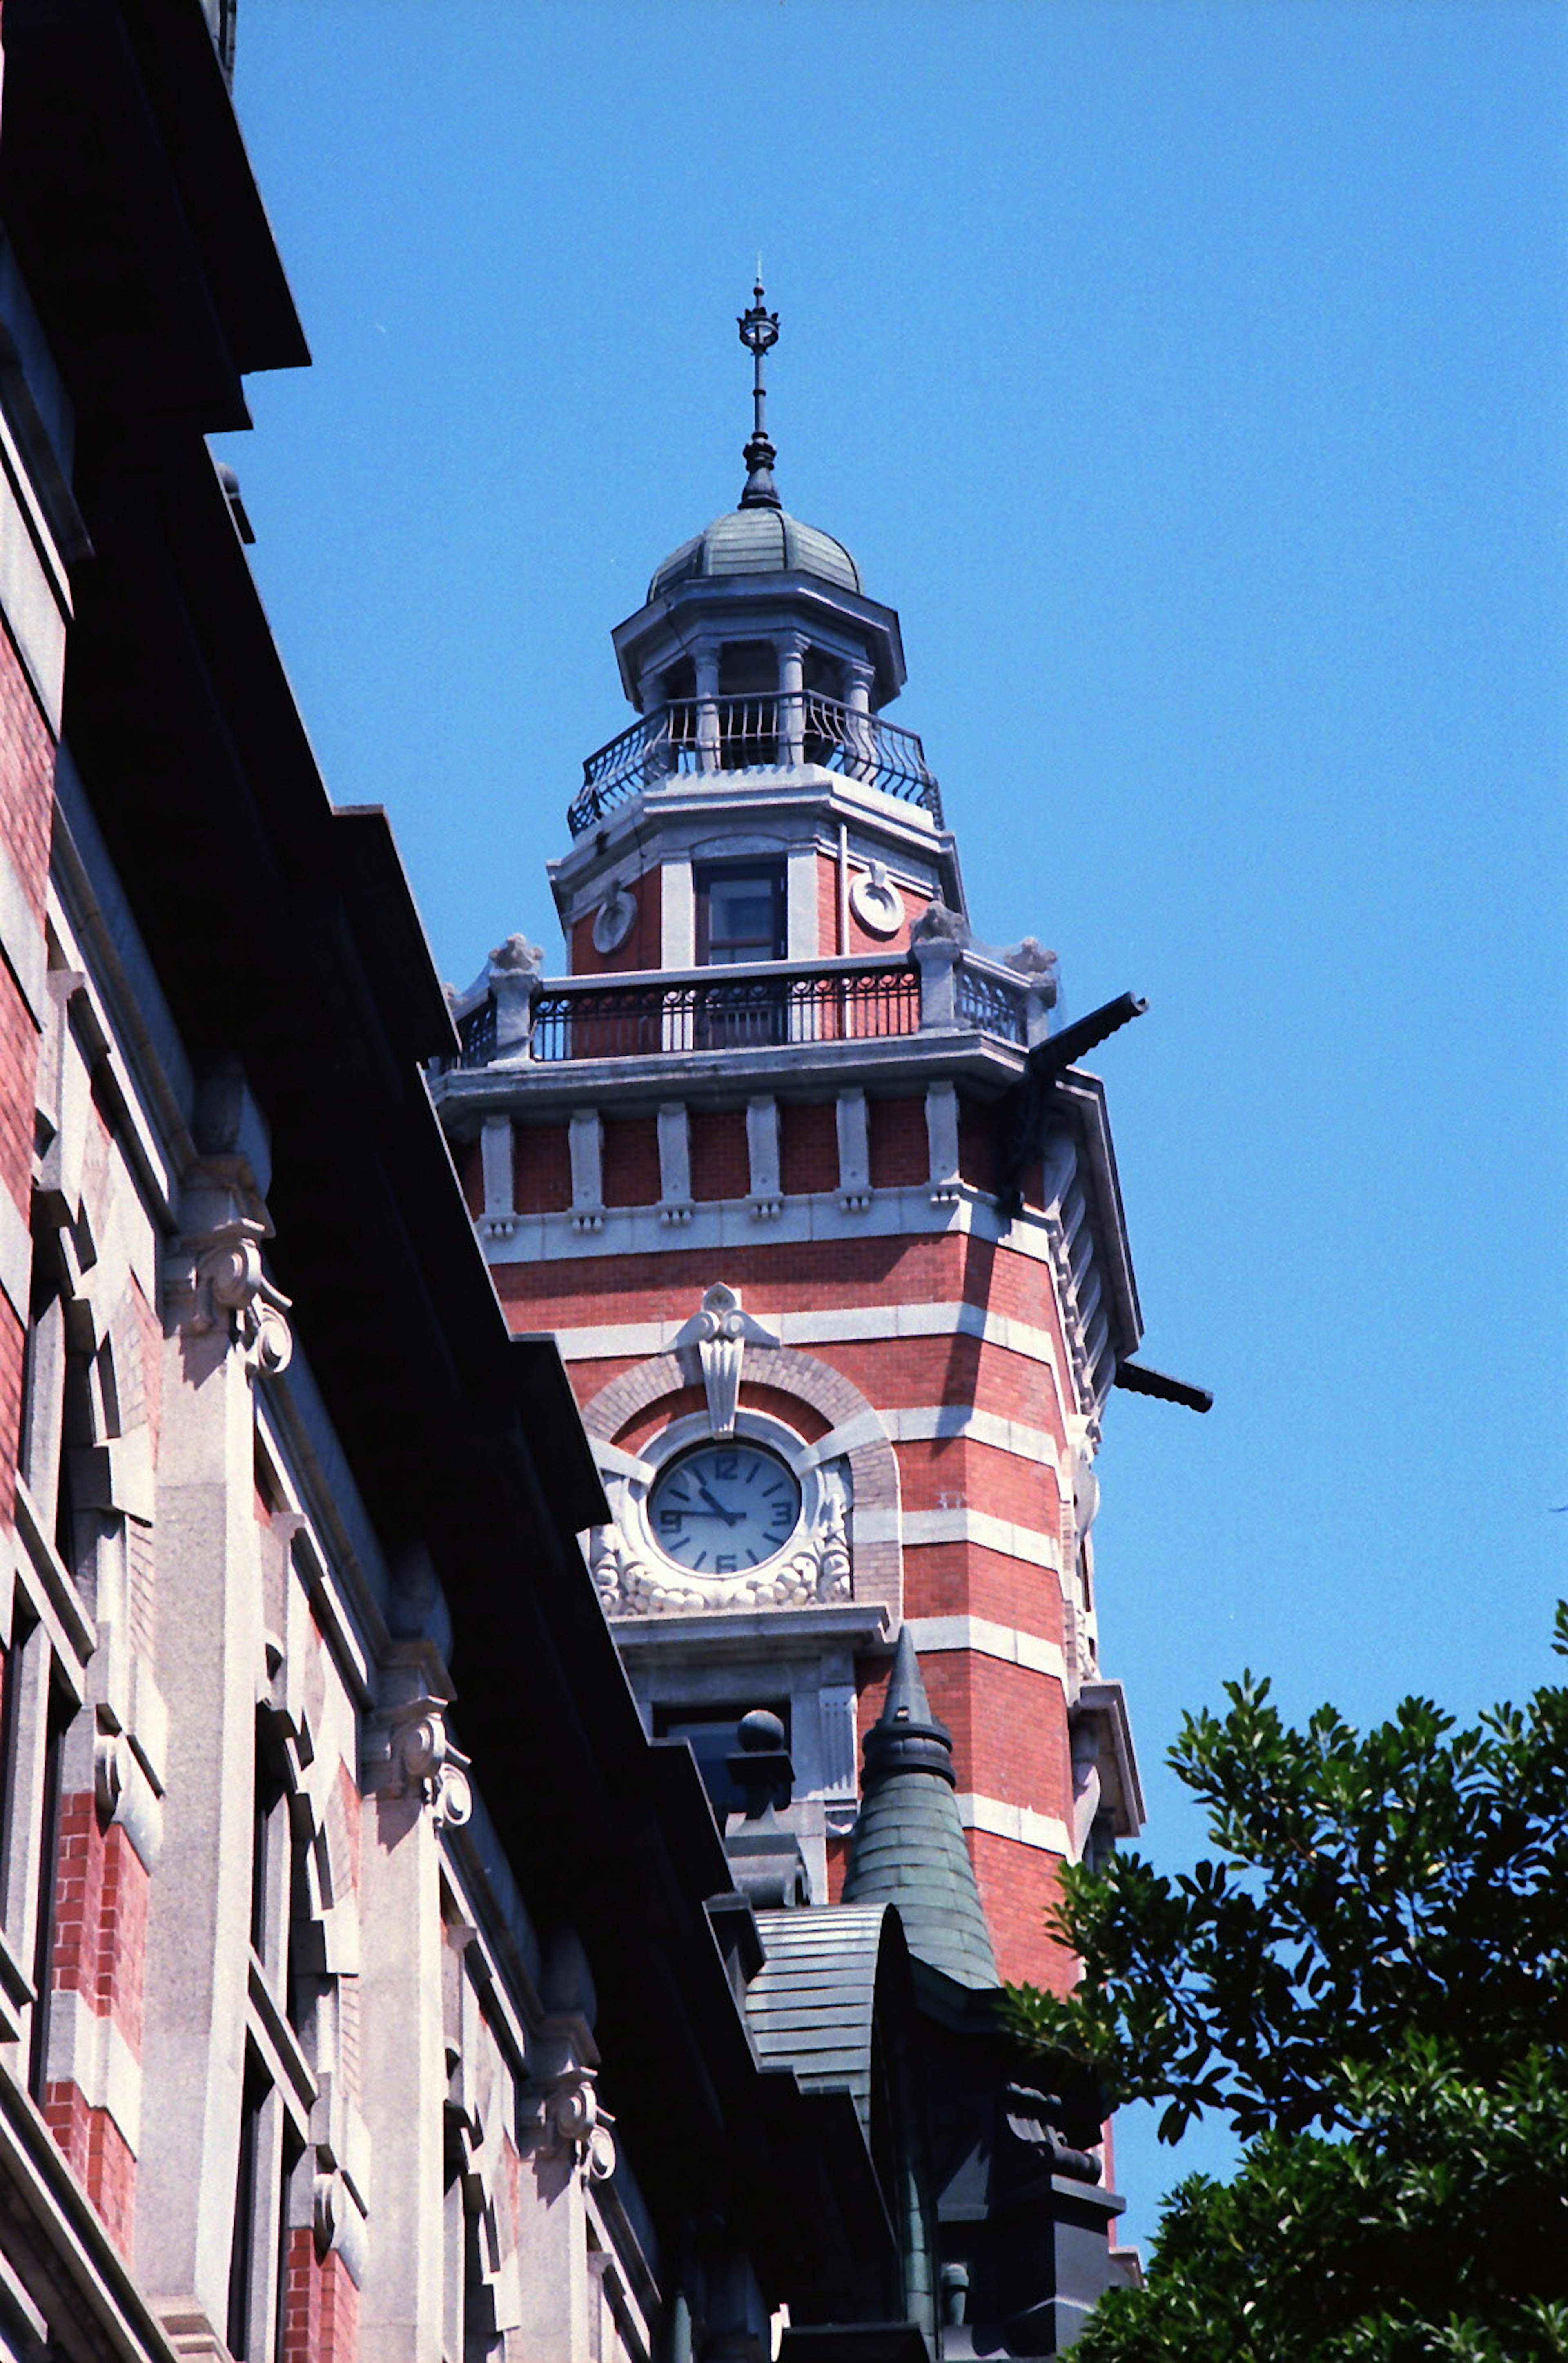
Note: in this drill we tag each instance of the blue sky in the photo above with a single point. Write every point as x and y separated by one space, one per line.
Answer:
1191 377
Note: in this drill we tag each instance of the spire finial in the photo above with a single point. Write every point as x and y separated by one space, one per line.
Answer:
758 333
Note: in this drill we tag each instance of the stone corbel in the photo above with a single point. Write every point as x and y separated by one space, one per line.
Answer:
409 1753
224 1289
720 1329
564 2122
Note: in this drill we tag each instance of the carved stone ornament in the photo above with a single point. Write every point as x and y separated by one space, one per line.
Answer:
876 902
226 1288
615 918
937 925
518 957
566 2122
1030 959
720 1329
409 1753
633 1582
513 976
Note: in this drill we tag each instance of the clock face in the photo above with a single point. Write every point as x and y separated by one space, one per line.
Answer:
723 1509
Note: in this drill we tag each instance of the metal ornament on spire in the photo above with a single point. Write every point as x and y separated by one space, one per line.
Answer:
758 333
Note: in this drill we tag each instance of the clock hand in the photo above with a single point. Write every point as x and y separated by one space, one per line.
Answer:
731 1517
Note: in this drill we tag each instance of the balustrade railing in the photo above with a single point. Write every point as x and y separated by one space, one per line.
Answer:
757 1010
753 733
991 1004
476 1032
765 1007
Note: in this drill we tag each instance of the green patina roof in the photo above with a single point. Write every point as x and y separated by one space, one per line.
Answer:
812 2004
757 541
907 1847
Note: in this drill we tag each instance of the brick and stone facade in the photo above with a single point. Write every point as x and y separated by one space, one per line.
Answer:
370 1986
793 1163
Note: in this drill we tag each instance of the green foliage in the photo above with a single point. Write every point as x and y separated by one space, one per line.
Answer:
1369 1980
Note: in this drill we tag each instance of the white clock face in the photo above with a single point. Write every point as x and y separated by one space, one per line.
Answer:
723 1509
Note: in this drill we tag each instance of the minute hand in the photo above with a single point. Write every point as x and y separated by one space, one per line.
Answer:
731 1517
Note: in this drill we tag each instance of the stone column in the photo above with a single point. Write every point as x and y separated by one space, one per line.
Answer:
854 1152
937 958
658 754
792 699
674 1162
860 730
706 659
414 1782
223 1322
497 1163
585 1140
766 1200
942 1142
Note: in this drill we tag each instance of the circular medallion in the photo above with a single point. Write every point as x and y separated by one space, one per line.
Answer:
876 902
613 919
723 1508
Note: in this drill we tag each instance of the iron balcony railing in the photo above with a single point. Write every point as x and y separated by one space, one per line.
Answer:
746 734
761 1007
752 1012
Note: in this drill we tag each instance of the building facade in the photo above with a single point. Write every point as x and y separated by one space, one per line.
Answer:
380 1976
825 1216
370 1983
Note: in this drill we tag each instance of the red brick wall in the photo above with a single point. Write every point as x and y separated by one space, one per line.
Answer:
861 944
544 1161
976 1144
27 803
467 1157
642 948
808 1145
817 1273
100 1924
100 2156
631 1166
721 1168
900 1152
100 1936
955 1473
322 2305
1018 1885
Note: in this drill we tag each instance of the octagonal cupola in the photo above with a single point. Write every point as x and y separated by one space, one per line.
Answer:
760 765
760 603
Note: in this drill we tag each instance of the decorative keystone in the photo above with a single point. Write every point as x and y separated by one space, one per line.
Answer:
720 1329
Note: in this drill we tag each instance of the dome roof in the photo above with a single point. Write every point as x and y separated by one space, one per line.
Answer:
757 541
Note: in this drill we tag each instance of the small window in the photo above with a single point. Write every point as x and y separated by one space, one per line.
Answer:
711 1733
740 914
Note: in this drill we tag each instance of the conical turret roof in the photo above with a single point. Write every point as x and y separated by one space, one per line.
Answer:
907 1847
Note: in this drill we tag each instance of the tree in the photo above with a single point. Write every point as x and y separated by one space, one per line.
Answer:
1369 1980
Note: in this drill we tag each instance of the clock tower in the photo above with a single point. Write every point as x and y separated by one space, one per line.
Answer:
823 1210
